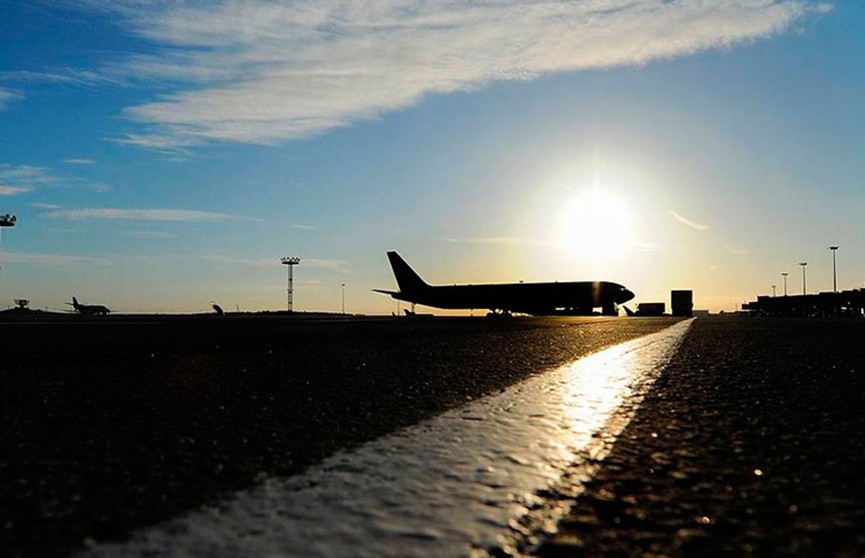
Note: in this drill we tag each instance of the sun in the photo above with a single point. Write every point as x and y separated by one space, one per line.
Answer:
597 225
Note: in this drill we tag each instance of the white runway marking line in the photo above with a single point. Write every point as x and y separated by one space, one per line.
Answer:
441 488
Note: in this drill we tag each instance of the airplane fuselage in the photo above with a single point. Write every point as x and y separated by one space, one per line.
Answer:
527 298
568 298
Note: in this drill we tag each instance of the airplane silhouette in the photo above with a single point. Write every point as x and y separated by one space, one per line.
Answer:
539 299
88 308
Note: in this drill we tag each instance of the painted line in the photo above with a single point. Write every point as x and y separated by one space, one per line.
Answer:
449 486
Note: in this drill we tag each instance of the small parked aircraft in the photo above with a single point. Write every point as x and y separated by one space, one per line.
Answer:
88 308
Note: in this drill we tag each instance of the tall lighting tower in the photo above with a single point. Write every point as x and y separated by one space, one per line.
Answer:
290 262
803 264
784 274
834 272
7 221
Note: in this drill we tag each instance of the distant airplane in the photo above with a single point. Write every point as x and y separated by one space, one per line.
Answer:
540 299
88 308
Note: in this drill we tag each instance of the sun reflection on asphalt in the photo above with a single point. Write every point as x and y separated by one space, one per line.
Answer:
449 484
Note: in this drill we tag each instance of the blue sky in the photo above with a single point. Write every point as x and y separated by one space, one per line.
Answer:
161 155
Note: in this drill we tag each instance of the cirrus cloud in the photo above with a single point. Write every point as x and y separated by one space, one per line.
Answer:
256 71
184 215
7 97
688 222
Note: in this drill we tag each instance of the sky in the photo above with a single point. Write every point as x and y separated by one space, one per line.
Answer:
164 155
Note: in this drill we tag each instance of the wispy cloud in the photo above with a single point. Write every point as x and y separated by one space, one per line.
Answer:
316 263
150 234
17 179
247 262
7 97
647 247
257 71
79 161
53 259
11 190
72 76
41 205
184 215
685 221
500 240
736 250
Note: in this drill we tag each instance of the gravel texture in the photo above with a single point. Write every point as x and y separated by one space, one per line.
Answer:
752 442
110 424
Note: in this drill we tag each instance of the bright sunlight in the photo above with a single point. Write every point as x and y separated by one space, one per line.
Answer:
597 225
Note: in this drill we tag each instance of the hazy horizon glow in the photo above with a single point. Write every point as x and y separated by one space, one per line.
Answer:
161 155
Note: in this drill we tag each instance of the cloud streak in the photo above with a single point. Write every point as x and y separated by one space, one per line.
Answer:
11 190
255 71
685 221
7 97
19 179
500 241
107 213
329 264
53 259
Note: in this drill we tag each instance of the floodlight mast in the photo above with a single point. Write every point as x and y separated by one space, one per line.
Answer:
6 221
804 290
290 262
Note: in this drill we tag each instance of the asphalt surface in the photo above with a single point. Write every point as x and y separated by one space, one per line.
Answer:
752 442
109 424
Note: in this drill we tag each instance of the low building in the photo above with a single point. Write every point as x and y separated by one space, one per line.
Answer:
844 303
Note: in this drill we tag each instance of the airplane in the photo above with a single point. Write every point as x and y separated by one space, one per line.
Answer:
539 299
88 308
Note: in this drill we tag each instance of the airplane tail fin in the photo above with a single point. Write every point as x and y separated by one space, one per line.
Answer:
406 278
74 302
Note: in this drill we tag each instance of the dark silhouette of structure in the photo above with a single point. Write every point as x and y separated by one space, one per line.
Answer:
290 261
834 249
645 309
844 303
89 308
682 303
540 299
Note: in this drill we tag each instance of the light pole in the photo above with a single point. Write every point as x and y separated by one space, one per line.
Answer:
834 272
343 297
290 262
784 274
803 264
773 291
7 221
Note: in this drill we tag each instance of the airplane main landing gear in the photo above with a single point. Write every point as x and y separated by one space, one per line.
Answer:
499 313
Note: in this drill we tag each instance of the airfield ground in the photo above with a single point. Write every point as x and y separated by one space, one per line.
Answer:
751 442
112 423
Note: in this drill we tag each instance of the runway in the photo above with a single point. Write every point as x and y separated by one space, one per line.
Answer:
112 426
448 486
745 437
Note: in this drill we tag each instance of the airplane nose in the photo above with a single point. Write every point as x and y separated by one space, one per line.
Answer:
626 295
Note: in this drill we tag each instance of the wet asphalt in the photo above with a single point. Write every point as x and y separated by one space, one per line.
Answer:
752 442
109 424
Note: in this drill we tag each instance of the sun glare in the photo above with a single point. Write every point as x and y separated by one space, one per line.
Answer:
597 225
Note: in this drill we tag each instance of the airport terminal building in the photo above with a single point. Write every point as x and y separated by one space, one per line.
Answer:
843 303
